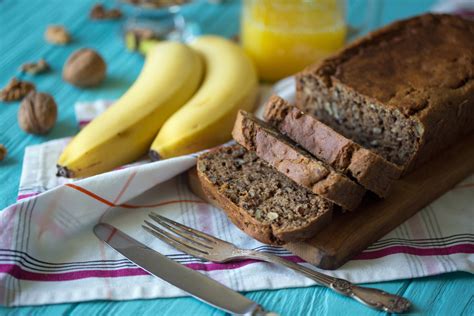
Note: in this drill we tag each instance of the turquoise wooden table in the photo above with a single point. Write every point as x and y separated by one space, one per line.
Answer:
22 24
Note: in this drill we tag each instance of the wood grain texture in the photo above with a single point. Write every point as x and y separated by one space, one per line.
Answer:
350 233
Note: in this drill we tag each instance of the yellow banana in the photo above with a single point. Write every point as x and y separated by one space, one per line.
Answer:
230 83
123 133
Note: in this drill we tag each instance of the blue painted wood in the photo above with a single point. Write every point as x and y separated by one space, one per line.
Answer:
22 24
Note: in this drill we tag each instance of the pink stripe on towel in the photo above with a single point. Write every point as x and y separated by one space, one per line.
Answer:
24 196
19 273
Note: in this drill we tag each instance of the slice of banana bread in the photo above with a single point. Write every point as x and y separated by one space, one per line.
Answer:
406 91
258 199
298 165
369 169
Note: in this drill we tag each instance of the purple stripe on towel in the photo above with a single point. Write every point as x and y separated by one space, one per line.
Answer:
27 195
83 123
19 273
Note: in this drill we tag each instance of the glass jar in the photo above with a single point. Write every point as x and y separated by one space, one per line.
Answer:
285 36
282 37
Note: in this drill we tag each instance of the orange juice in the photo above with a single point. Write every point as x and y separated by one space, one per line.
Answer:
282 37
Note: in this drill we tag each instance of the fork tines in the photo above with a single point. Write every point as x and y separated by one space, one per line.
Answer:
183 238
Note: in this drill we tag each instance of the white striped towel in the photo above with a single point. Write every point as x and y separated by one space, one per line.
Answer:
48 253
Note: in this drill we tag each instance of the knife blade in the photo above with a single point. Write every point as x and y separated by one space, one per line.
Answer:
194 283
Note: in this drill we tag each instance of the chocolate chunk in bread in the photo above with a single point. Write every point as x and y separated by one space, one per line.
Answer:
298 165
371 170
258 199
406 91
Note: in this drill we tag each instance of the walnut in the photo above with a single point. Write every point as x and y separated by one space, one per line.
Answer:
156 3
84 68
16 90
272 216
3 152
38 113
98 12
35 68
57 34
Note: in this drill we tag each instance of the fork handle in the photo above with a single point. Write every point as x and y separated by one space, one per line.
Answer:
371 297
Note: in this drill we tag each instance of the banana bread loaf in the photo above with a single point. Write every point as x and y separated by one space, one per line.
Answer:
369 169
406 91
258 199
298 165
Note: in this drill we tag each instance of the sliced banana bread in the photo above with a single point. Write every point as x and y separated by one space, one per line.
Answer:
258 199
298 165
406 91
371 170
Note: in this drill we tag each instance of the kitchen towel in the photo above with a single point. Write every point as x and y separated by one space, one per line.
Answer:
48 253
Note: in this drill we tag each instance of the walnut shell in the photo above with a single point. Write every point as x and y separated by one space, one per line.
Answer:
84 68
35 68
98 12
57 34
16 90
3 152
37 113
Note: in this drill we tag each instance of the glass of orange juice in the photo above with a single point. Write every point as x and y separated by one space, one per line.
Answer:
284 36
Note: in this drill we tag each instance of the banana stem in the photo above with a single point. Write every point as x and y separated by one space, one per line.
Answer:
136 45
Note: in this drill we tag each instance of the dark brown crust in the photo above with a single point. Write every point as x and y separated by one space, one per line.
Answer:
420 69
252 227
154 155
303 232
259 230
369 169
64 172
295 163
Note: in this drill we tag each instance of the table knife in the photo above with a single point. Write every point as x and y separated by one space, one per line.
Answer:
190 281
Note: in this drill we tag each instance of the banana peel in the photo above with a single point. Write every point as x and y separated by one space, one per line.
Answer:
206 120
123 133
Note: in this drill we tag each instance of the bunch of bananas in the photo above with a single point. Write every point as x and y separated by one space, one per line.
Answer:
184 100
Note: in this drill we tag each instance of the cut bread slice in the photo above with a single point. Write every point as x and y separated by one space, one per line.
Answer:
292 161
406 91
258 199
370 170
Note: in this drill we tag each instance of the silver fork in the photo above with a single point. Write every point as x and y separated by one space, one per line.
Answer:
205 246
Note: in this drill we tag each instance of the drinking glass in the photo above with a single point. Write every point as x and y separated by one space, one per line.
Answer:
161 20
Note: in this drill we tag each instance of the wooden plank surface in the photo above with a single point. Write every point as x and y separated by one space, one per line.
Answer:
350 233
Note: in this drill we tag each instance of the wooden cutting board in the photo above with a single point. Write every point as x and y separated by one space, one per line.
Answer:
350 233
